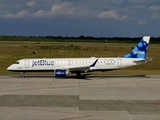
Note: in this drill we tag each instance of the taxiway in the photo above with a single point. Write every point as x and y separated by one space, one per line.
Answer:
91 98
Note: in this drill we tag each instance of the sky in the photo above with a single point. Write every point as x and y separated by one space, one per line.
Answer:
97 18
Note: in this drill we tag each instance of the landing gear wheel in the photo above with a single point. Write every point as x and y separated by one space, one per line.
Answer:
23 74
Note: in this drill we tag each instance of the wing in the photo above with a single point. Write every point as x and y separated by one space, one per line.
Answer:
79 69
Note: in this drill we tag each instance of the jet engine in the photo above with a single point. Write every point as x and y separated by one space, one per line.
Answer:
61 73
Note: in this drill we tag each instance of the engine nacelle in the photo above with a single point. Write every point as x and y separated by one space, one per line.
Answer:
61 73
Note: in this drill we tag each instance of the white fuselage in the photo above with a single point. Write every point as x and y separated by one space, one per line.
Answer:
50 64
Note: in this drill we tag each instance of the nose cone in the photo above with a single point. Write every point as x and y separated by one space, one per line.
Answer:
9 68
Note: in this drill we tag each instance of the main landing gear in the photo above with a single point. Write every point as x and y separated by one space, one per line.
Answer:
79 75
23 74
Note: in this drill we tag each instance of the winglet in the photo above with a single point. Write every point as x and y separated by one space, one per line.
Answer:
94 63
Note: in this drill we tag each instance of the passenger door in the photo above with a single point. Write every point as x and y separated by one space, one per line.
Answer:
26 63
119 62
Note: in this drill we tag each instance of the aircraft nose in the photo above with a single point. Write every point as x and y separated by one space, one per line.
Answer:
9 68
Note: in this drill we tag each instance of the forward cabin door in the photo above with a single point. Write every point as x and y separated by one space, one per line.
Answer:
26 63
119 62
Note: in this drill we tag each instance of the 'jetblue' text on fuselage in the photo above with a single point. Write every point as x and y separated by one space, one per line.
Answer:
42 63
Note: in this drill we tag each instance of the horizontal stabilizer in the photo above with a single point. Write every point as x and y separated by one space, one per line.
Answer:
143 61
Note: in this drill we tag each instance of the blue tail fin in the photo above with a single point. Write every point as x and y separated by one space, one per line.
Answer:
140 50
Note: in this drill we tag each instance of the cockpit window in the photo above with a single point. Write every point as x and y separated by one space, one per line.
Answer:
16 63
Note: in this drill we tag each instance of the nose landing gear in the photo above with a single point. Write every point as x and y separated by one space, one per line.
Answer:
23 74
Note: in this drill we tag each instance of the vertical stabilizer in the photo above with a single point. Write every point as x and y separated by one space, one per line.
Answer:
140 51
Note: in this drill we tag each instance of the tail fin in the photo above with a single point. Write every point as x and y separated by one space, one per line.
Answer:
140 51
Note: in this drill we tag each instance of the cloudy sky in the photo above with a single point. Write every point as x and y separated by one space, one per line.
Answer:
98 18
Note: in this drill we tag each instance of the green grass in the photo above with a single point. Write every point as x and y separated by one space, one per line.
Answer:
13 51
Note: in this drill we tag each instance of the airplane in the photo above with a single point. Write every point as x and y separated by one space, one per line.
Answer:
62 67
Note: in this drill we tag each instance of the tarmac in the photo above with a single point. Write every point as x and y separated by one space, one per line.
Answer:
94 97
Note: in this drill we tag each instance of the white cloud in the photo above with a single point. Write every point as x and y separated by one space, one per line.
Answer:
154 7
31 4
141 22
21 14
60 9
67 9
40 13
107 9
111 15
64 8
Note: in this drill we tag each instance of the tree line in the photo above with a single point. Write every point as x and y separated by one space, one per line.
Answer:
75 39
